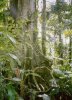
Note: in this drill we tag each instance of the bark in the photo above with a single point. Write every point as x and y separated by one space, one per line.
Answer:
14 8
70 43
70 50
44 27
27 12
60 36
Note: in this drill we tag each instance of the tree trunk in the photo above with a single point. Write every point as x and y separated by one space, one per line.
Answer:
44 28
70 50
70 44
14 8
27 12
60 36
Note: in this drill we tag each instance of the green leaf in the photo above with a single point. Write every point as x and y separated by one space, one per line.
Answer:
15 58
58 73
11 92
16 79
12 39
44 96
34 74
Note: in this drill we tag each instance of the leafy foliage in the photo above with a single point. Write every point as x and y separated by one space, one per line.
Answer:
25 72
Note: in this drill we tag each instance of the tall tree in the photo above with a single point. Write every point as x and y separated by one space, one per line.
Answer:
59 9
27 11
70 50
70 43
44 27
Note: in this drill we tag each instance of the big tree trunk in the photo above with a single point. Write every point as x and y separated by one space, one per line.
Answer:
27 12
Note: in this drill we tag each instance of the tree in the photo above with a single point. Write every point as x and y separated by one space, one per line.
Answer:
59 9
27 12
70 44
44 28
14 8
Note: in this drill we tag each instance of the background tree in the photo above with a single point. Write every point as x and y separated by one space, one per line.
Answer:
44 27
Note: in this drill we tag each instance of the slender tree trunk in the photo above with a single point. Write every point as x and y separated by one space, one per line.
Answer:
33 28
44 27
70 50
60 37
70 44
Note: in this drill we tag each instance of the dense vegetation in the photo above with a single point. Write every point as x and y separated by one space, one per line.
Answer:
35 50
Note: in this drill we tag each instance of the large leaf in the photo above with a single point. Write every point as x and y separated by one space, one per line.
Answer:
15 58
11 92
44 96
16 79
34 74
12 39
58 73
